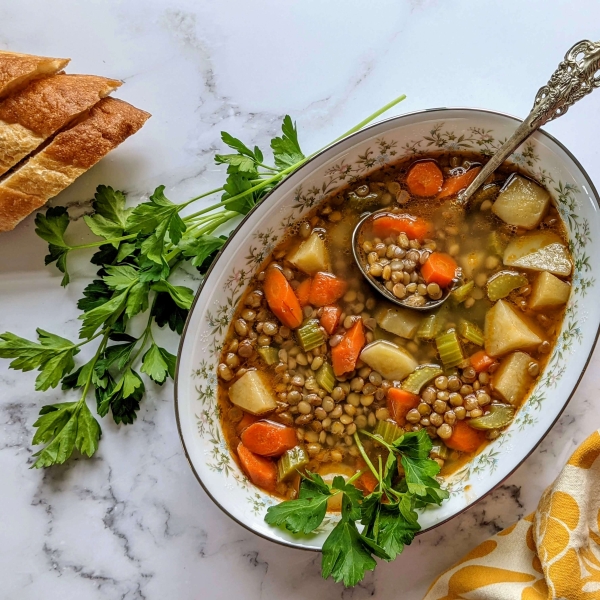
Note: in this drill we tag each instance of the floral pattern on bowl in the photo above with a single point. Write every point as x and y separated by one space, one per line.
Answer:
414 134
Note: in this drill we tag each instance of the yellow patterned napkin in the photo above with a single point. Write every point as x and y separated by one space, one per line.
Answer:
553 553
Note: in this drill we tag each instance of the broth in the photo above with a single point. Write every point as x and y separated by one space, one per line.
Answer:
473 382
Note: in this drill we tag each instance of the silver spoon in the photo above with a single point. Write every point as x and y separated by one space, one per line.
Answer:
576 76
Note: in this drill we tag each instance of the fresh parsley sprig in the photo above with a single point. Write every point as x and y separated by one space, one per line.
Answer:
387 516
138 251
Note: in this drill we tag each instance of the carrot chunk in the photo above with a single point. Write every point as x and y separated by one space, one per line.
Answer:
326 289
330 318
465 438
246 421
424 179
268 438
481 361
439 268
392 224
281 298
260 470
346 353
399 402
455 184
303 291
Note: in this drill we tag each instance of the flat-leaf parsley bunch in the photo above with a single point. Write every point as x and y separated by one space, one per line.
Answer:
140 248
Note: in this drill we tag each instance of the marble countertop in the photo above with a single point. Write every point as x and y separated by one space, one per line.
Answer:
133 523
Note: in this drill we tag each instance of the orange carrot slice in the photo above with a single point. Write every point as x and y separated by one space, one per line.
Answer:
399 402
391 224
303 291
439 268
260 470
281 298
330 318
424 179
246 421
455 184
326 289
345 355
268 438
481 361
465 438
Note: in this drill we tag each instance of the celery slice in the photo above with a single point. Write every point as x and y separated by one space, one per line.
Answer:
469 331
499 415
325 377
502 284
439 450
269 354
449 349
497 243
292 461
389 431
432 324
420 377
310 335
462 293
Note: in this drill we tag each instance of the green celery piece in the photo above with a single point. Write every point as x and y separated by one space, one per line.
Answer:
449 349
440 450
499 415
292 461
497 243
388 431
420 377
471 332
325 377
432 325
269 354
310 335
461 293
502 284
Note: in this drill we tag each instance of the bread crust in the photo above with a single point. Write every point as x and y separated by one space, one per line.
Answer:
45 106
69 154
17 70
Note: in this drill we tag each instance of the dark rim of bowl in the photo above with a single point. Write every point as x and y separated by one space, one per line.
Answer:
232 235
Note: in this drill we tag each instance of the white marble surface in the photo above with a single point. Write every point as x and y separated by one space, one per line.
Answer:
132 523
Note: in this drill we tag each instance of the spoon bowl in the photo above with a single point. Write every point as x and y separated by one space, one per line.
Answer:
362 262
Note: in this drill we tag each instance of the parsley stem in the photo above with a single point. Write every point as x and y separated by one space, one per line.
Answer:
267 167
102 242
181 206
356 476
101 332
99 351
366 458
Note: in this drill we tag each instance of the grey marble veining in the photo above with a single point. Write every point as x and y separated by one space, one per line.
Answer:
132 523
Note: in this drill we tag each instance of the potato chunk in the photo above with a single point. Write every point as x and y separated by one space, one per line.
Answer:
251 394
403 322
507 330
548 292
512 379
522 203
391 361
311 256
539 251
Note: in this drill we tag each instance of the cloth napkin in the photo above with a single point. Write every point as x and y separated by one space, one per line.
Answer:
553 553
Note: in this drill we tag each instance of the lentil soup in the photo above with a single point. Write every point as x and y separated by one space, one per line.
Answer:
315 355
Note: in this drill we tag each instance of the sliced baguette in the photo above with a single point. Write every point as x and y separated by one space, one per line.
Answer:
70 154
47 105
17 70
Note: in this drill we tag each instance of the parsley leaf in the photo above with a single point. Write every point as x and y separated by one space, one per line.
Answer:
51 227
157 363
64 427
345 556
201 248
182 296
237 163
108 313
286 149
95 294
52 356
237 145
110 216
122 398
156 218
238 183
165 311
120 277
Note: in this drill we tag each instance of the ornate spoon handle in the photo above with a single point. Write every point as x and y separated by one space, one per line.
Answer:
576 76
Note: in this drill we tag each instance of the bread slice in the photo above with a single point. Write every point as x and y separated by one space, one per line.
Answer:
17 70
32 115
71 153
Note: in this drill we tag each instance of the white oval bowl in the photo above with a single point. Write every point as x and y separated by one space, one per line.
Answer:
438 129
